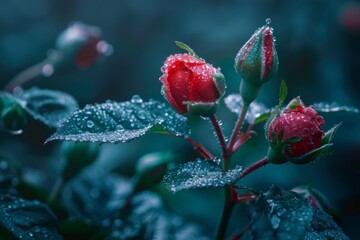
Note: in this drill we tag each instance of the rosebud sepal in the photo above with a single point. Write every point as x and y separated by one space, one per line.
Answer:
219 81
312 155
203 109
277 155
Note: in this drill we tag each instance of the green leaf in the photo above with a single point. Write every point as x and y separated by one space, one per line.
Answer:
280 214
8 177
81 229
257 112
26 219
121 122
103 199
186 48
200 174
333 107
282 93
48 106
263 117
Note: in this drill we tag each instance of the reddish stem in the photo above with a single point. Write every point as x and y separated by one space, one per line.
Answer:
246 197
25 76
236 131
239 235
254 167
200 148
219 133
243 138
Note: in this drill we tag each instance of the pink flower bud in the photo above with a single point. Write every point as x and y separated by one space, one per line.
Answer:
82 45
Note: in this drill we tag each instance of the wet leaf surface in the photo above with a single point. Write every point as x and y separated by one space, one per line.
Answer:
101 199
121 122
280 214
48 106
200 174
257 112
26 219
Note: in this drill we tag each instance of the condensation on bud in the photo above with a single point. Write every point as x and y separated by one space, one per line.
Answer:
296 135
256 62
191 85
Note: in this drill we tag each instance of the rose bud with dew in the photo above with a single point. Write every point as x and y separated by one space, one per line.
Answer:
296 135
256 62
191 85
80 44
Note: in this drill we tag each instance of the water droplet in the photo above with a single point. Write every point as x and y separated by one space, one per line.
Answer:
16 132
89 124
104 48
136 99
3 165
268 21
47 70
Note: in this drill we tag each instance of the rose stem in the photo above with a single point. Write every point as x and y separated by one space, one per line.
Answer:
25 76
55 191
238 125
229 204
200 148
253 167
219 133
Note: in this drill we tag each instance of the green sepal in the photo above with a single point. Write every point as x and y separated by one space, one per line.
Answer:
295 103
203 109
328 136
276 156
312 155
186 48
220 83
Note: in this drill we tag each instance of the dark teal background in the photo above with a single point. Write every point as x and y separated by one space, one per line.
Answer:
319 60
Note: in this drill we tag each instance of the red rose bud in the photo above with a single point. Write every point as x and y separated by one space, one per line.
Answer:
296 135
191 85
256 62
81 44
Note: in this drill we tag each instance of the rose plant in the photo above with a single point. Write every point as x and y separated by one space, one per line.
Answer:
112 207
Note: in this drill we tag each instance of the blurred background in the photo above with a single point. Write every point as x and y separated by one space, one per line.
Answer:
318 44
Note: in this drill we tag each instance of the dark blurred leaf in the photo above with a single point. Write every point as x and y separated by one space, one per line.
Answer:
101 198
200 174
26 219
257 112
279 214
48 106
121 122
333 107
8 177
75 229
